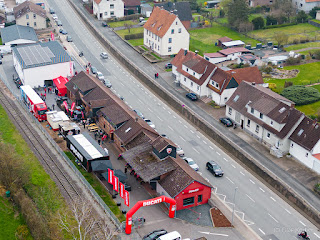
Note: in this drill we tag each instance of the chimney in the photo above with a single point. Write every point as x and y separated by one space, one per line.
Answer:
137 119
253 83
185 52
196 51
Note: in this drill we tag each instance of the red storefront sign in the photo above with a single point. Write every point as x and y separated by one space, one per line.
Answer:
121 190
115 183
66 105
110 176
193 190
72 107
126 198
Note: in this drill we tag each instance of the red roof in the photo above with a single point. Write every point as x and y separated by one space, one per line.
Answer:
228 51
248 74
317 156
224 39
214 55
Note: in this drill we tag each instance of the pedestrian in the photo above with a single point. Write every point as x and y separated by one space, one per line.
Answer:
125 169
95 136
52 106
45 95
155 76
99 141
45 89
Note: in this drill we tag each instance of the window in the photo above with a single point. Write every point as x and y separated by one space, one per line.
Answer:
268 135
292 145
35 24
225 99
217 85
257 129
188 201
261 116
252 110
170 40
271 122
185 79
199 198
158 48
27 16
28 24
230 111
172 31
106 13
191 84
307 154
187 69
111 6
34 16
194 73
112 13
169 49
179 30
176 23
248 123
198 88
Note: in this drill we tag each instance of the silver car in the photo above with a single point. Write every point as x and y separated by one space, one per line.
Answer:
150 123
100 76
104 55
191 163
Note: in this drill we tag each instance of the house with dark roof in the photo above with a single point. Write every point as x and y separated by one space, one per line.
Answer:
164 33
181 9
39 63
227 54
31 15
105 9
265 115
305 143
222 40
131 7
205 79
17 34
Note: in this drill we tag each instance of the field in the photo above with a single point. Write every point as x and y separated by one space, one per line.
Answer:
124 32
122 23
136 42
303 46
300 31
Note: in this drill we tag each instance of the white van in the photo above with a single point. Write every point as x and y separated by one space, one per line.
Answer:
170 236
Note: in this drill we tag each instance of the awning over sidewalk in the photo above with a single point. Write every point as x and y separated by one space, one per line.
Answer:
101 165
60 84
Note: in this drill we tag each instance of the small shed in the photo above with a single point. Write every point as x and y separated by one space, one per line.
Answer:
222 40
68 128
60 82
55 117
237 43
146 9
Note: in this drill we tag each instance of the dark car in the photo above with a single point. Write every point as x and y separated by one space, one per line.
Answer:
192 96
168 66
155 234
51 10
59 23
214 168
226 121
93 70
104 24
69 38
139 113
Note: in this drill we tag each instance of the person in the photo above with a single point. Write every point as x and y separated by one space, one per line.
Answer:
155 76
303 234
125 169
52 106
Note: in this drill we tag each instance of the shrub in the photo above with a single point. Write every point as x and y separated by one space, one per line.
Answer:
272 86
301 95
279 26
295 41
133 36
288 84
258 22
313 12
271 20
316 55
293 61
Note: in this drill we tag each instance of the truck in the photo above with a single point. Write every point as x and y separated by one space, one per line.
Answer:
35 104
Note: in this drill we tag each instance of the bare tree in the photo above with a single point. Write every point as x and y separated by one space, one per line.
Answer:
281 38
128 26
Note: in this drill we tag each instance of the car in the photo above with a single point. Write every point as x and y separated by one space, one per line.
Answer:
155 234
93 69
214 168
104 24
150 123
139 113
142 22
180 151
191 163
192 96
226 121
100 76
69 39
164 135
108 83
51 10
104 55
168 66
54 16
59 23
0 61
62 31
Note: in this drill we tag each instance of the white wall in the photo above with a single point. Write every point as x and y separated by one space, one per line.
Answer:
20 41
302 5
301 154
216 60
40 21
161 191
105 8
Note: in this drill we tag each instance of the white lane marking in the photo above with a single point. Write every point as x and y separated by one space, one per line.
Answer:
191 131
185 126
261 189
287 211
211 147
174 116
316 235
302 223
160 119
242 173
261 231
218 153
169 112
273 199
252 181
195 150
182 138
170 128
233 166
225 159
180 121
150 110
164 108
250 198
121 83
198 136
131 92
273 218
140 100
217 234
230 180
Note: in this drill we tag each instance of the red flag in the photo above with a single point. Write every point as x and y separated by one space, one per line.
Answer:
121 189
82 114
126 198
110 176
52 36
116 183
72 107
65 105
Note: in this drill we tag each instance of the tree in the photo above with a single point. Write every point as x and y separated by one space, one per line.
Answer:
316 54
313 12
128 26
258 22
245 27
221 13
194 5
271 20
301 95
224 5
281 38
302 17
238 12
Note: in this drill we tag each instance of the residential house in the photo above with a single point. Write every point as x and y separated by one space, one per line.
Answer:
305 143
249 59
305 5
255 3
17 35
146 9
264 114
2 20
30 14
223 40
104 9
131 7
181 9
226 54
164 33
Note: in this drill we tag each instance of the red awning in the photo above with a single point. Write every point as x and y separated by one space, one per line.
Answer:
60 84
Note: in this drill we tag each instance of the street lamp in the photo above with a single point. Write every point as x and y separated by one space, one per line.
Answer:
234 204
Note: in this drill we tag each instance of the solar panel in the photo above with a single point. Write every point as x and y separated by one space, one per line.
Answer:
36 54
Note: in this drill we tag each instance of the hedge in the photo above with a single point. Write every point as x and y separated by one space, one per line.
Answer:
279 26
301 95
133 36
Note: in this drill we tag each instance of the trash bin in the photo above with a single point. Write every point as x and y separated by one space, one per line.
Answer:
8 193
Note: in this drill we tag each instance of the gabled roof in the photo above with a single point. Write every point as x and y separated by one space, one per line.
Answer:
307 134
225 39
15 32
228 51
131 3
248 74
181 9
214 55
221 77
161 143
81 81
97 1
27 7
115 113
160 21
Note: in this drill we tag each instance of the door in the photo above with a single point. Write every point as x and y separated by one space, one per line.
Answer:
241 123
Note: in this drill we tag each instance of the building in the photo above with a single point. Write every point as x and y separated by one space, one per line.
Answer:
164 33
181 9
30 14
227 54
17 35
37 64
146 9
222 40
248 59
305 5
104 9
255 3
131 7
265 115
233 44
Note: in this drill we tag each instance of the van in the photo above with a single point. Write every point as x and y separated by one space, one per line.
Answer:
170 236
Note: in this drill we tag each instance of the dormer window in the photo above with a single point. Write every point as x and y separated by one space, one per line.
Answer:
159 28
187 69
153 24
194 73
261 116
252 110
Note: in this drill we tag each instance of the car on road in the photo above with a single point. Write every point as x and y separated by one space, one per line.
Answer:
93 69
226 121
108 83
180 151
62 31
155 234
104 24
150 123
214 168
51 10
100 76
142 22
192 96
168 66
69 39
55 17
191 163
104 55
139 113
59 23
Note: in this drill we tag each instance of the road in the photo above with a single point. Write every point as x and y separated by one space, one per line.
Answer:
262 209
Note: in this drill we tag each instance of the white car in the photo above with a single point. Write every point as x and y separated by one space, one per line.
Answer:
180 151
100 76
191 163
54 16
150 123
104 55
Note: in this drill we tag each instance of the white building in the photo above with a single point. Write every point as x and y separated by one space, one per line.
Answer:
104 9
306 5
17 34
37 64
164 33
227 54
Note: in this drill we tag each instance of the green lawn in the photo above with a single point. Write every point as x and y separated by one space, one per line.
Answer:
303 30
310 109
122 23
302 46
307 52
315 20
132 31
136 42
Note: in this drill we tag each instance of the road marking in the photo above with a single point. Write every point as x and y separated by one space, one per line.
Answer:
261 231
160 118
140 100
195 150
204 142
150 110
250 198
242 173
164 108
225 159
182 138
198 136
191 131
169 112
174 116
261 189
252 181
230 180
185 126
217 234
273 218
316 235
273 199
180 121
233 166
211 147
302 223
131 92
287 211
170 128
218 153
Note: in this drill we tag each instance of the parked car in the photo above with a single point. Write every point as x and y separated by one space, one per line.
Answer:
104 55
62 31
55 17
180 151
150 123
108 83
139 113
69 39
59 23
155 234
214 168
104 24
93 69
191 163
168 66
192 96
226 121
51 10
100 76
142 22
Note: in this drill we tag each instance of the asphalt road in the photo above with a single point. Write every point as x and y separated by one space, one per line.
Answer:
262 209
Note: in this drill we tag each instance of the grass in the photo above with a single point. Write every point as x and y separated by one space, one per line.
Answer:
136 42
122 23
315 20
124 32
302 46
307 52
303 30
156 56
103 193
310 109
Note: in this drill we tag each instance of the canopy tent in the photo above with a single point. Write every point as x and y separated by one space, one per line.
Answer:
101 165
60 84
118 173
